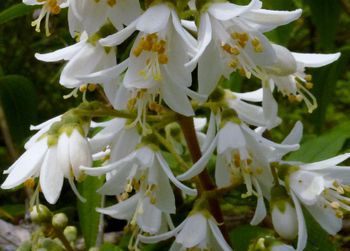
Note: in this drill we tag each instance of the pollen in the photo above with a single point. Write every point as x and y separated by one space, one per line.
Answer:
309 85
111 3
163 59
30 183
257 45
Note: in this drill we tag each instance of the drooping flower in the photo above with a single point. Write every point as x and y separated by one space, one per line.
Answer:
230 39
198 231
156 63
54 153
288 74
85 57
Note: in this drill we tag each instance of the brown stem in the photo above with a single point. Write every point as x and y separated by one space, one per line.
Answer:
205 181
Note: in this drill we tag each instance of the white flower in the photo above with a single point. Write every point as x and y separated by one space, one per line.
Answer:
199 230
157 59
320 187
90 16
288 74
49 7
84 58
52 158
230 38
142 167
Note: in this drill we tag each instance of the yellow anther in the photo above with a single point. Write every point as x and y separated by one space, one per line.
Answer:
111 3
235 35
335 205
299 98
163 59
83 88
128 188
30 183
237 159
233 64
153 106
137 51
55 9
91 87
339 214
257 45
308 78
309 85
153 200
234 51
258 49
124 196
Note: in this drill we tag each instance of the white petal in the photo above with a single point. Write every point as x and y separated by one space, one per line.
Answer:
189 40
218 236
260 211
270 108
315 60
123 210
46 123
79 152
62 54
204 37
326 217
116 184
222 173
295 135
161 237
63 161
168 172
150 219
254 96
270 19
230 137
164 192
226 11
119 37
106 74
51 176
154 19
326 163
302 233
199 166
193 232
26 166
285 222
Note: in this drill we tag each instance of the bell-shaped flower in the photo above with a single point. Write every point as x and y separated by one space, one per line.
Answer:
85 57
288 74
198 231
230 39
156 63
283 214
90 16
49 7
52 154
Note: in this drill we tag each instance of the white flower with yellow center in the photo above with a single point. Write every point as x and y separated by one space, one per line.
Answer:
90 15
156 63
198 231
50 7
230 39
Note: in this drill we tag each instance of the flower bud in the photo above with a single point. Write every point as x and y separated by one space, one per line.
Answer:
284 217
71 233
59 221
40 214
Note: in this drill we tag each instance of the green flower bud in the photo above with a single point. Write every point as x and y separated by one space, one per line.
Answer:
59 221
40 214
71 233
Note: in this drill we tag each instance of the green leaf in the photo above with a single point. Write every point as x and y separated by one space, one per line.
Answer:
317 239
15 11
322 147
325 15
110 247
242 236
88 217
19 102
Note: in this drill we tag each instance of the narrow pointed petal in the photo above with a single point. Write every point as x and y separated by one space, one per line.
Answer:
199 166
164 165
316 60
218 236
150 220
260 211
204 38
63 152
326 163
189 40
254 96
154 19
226 11
161 237
26 166
62 54
123 210
302 233
51 176
119 37
295 135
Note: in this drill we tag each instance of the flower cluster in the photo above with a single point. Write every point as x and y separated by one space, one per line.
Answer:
151 95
